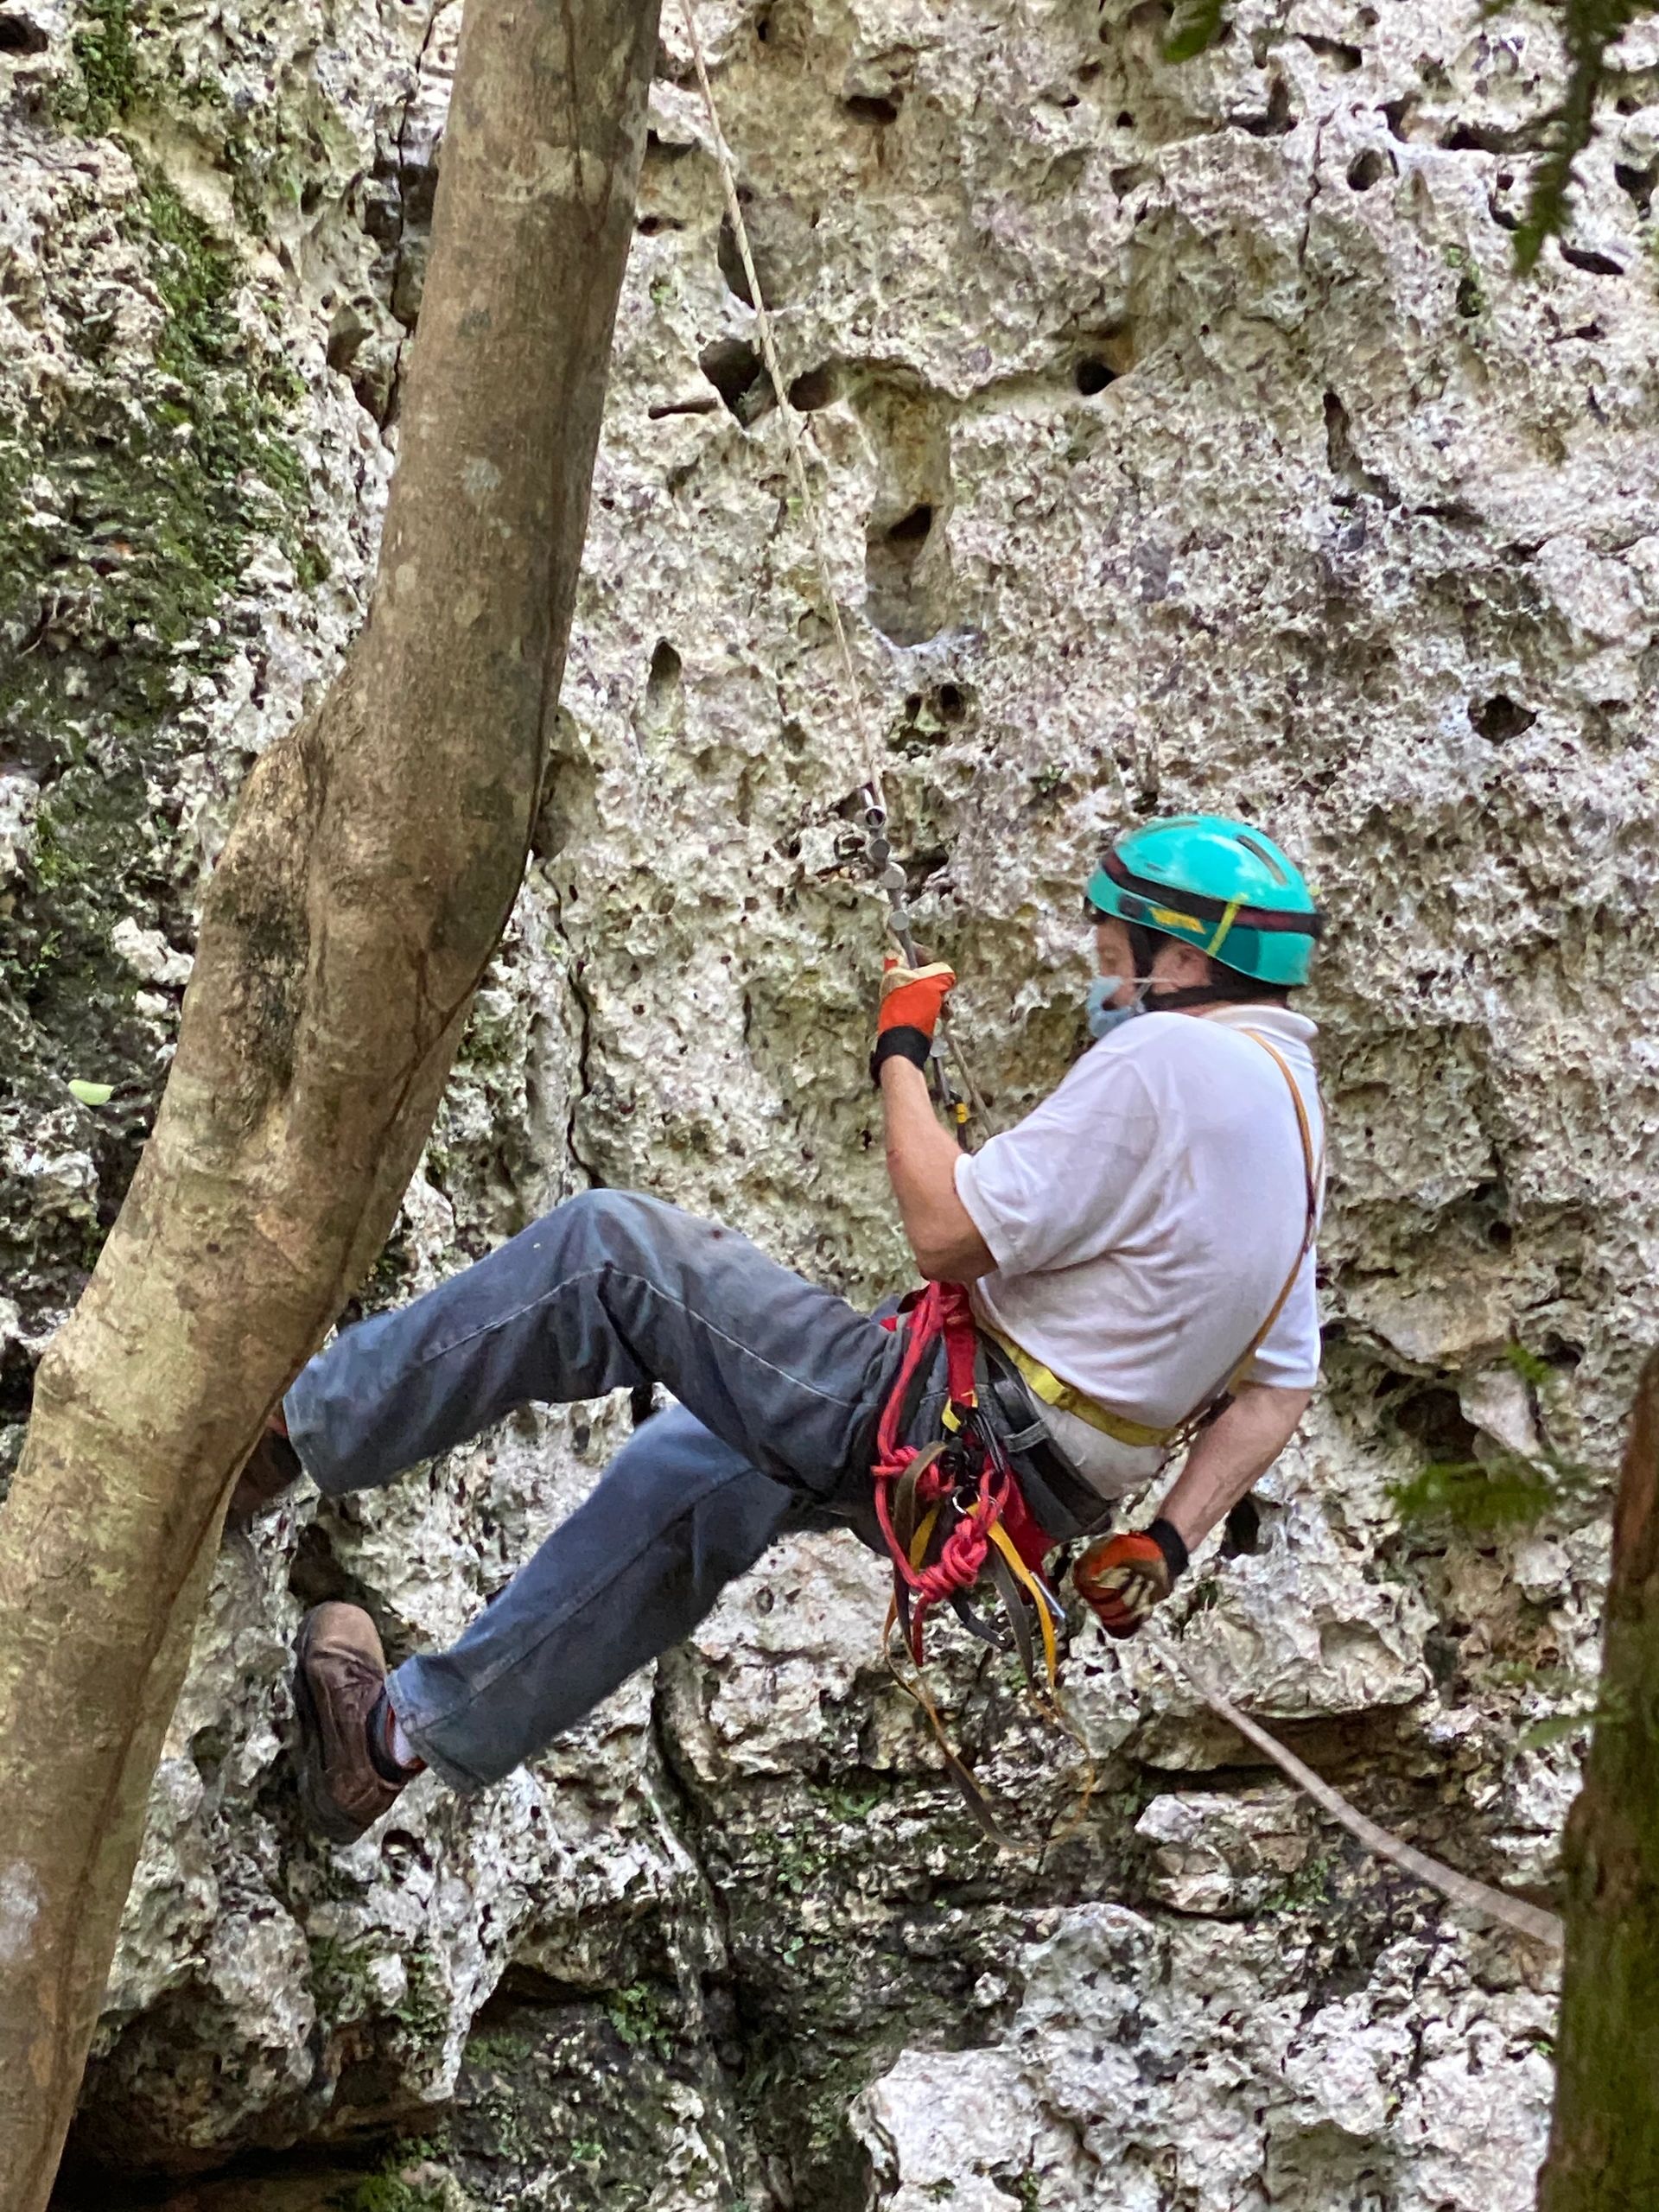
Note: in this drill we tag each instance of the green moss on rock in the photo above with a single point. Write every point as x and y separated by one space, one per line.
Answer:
132 496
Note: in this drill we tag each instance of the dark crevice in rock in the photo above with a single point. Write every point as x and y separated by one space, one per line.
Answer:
815 388
1597 264
1344 464
1637 184
730 257
739 375
1343 57
19 35
1501 719
1275 119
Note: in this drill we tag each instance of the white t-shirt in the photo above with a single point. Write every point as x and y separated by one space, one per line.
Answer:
1144 1217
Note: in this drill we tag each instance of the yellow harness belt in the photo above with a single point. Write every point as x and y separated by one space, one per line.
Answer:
1043 1384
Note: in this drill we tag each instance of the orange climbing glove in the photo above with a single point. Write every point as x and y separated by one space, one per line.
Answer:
1124 1577
912 999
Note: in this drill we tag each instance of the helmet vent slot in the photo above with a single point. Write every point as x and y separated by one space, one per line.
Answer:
1264 854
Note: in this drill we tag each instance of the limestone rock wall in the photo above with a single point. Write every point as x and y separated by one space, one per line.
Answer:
1182 438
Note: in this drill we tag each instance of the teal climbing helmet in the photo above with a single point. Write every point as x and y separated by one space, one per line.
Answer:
1215 883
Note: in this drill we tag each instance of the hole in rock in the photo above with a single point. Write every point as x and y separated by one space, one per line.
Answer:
1277 120
317 1575
1636 183
1091 375
867 108
652 226
1334 50
952 701
16 1385
344 341
763 26
1397 115
1501 718
1242 1536
813 388
731 263
1368 169
1471 298
906 575
735 369
1125 120
1598 265
19 35
1433 1416
1477 138
642 1404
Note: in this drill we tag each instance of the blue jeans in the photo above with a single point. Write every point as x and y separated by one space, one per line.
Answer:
780 1385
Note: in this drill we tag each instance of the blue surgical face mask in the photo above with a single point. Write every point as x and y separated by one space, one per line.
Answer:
1098 1012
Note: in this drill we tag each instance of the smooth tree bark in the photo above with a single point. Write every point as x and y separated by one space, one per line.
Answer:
375 858
1603 2150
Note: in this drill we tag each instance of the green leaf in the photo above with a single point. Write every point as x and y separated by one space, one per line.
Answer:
1543 1734
92 1094
1195 26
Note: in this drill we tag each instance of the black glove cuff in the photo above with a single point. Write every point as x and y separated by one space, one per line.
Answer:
901 1044
1173 1545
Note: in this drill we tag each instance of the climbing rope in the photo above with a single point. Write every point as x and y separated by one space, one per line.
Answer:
886 872
1529 1920
1462 1890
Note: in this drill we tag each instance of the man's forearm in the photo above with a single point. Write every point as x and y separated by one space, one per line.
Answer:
1230 1455
922 1159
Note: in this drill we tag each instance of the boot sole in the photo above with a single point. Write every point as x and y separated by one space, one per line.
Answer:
320 1810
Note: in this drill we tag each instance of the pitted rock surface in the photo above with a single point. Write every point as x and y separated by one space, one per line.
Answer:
1182 438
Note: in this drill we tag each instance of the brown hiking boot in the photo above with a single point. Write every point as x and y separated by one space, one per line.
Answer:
341 1673
272 1467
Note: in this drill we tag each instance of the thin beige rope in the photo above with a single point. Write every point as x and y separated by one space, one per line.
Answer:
1529 1920
793 437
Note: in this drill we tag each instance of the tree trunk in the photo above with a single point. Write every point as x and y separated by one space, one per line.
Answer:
375 858
1603 2151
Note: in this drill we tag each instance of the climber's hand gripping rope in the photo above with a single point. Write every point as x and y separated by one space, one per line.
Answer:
1125 1578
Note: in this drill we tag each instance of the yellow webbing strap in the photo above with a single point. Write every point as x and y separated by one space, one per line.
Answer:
1027 1581
1043 1384
1313 1174
1221 928
924 1529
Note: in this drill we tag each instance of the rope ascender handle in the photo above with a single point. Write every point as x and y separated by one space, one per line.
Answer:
890 877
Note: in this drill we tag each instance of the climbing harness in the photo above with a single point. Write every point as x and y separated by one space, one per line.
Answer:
951 1511
952 1507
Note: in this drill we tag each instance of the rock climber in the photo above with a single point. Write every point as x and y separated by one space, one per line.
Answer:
1140 1256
